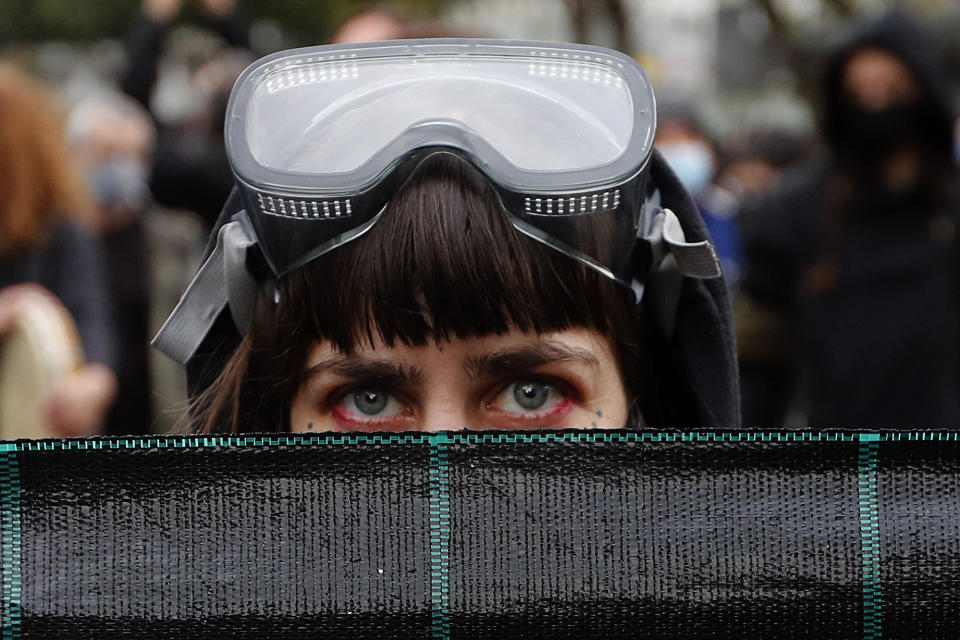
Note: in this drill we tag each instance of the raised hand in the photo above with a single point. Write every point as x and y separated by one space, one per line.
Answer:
10 301
79 404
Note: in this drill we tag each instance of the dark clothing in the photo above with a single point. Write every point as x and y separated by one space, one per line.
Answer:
875 326
865 276
190 171
697 382
143 46
129 281
70 263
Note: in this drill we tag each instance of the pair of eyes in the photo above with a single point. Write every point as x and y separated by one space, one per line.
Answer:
522 397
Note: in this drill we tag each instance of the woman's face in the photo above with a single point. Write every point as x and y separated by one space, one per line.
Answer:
562 380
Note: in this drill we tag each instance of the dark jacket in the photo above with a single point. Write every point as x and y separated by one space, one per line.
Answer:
70 263
864 277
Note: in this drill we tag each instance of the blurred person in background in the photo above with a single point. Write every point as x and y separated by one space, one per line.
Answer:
853 263
47 244
151 253
369 23
189 167
749 166
692 155
380 21
752 163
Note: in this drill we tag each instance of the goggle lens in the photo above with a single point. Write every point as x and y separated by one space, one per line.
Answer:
539 113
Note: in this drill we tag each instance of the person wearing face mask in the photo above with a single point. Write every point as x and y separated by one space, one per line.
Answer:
690 153
112 138
854 262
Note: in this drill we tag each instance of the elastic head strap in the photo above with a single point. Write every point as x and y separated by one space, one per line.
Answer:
222 281
674 258
693 259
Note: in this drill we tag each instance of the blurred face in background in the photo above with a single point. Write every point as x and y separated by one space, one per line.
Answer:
750 175
113 144
875 80
111 134
882 106
688 153
370 26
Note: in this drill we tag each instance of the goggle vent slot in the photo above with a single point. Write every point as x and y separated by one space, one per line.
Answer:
308 208
572 205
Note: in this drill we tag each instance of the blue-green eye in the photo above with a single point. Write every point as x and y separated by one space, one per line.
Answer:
529 395
370 401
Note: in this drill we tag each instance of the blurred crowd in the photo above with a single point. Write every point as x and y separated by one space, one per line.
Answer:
841 250
839 247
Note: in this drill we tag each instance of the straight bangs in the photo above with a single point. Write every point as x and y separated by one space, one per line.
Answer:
445 262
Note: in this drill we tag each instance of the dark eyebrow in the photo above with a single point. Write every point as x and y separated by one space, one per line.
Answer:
522 358
360 368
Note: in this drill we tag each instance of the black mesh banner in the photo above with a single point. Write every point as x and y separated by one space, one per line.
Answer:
570 534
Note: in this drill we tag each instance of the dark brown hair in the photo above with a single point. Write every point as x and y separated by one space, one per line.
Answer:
444 262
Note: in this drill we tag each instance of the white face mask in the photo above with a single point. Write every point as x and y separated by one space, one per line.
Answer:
692 161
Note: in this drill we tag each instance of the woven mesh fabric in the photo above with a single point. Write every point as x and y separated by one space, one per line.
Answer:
484 535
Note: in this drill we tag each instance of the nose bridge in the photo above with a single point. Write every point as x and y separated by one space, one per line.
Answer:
443 420
444 410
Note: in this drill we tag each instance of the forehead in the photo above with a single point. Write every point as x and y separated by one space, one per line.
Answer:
578 342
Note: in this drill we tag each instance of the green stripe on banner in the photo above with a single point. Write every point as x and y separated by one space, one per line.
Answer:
870 535
10 541
439 537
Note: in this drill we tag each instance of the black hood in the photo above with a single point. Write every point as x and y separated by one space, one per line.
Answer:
902 36
701 354
696 380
